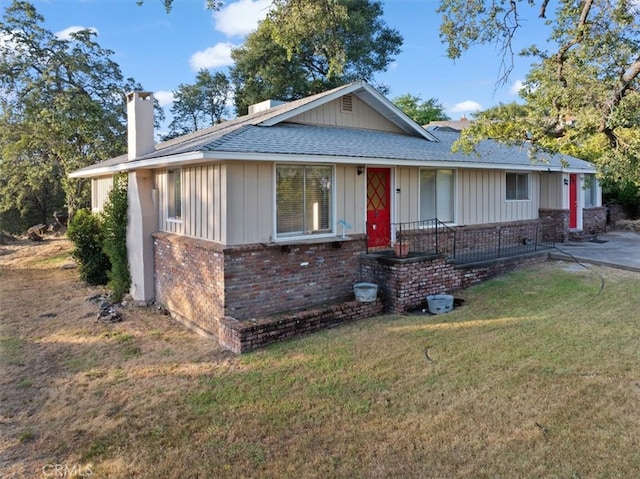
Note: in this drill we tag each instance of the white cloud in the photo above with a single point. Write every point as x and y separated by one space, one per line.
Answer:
466 106
218 55
241 18
164 97
66 33
8 42
516 87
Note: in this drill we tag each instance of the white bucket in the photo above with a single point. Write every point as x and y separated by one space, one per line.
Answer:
440 303
365 292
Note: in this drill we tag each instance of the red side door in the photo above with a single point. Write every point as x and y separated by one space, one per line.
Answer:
573 201
378 207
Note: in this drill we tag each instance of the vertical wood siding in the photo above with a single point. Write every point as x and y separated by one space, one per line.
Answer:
362 116
233 203
200 206
249 203
551 193
350 199
100 188
481 198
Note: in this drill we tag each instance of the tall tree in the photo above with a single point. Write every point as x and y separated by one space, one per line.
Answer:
581 93
62 107
199 105
309 46
419 110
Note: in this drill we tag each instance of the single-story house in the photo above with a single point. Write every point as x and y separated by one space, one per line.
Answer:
284 209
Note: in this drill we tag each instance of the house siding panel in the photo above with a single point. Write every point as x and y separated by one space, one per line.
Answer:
350 198
201 204
481 198
249 203
100 189
362 116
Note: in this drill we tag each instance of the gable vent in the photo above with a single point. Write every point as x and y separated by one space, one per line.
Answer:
347 103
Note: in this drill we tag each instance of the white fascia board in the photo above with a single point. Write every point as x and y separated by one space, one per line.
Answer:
198 157
351 160
151 163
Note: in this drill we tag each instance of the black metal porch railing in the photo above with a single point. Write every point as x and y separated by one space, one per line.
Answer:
424 237
482 244
463 244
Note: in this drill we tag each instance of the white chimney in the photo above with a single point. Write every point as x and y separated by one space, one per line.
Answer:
264 105
140 123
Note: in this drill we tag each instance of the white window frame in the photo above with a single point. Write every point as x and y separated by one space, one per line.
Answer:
453 194
518 174
171 195
590 191
309 234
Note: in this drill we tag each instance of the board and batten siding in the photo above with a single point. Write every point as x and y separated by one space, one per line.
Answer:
233 203
551 191
201 202
100 188
251 201
480 197
332 114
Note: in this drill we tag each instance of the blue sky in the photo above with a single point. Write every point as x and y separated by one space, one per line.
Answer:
162 50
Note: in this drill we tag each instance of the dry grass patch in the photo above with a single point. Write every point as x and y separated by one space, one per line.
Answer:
536 376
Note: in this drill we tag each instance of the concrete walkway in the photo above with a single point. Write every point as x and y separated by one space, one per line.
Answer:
618 249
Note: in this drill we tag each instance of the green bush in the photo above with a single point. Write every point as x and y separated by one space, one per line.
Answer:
85 231
115 238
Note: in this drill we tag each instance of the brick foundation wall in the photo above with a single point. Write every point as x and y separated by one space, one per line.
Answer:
189 279
233 293
404 284
594 220
264 279
244 336
220 291
555 221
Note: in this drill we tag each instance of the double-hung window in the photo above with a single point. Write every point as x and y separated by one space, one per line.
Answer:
517 186
590 190
437 195
174 194
304 200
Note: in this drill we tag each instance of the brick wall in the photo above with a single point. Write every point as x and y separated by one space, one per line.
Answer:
189 279
263 279
556 222
595 220
233 293
404 284
243 336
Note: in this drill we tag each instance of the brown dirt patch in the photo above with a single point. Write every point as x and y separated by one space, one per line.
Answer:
66 377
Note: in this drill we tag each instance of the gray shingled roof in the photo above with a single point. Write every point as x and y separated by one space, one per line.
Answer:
268 133
310 140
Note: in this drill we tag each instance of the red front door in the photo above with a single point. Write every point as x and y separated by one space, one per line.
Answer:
378 207
573 201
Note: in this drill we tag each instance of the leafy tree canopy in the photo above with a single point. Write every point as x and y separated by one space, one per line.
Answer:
62 107
581 93
309 46
199 105
419 110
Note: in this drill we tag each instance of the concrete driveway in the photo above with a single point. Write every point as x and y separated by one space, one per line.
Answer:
618 249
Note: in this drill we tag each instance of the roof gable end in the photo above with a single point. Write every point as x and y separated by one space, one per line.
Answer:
365 93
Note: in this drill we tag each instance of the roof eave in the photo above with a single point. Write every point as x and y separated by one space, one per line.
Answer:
198 157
